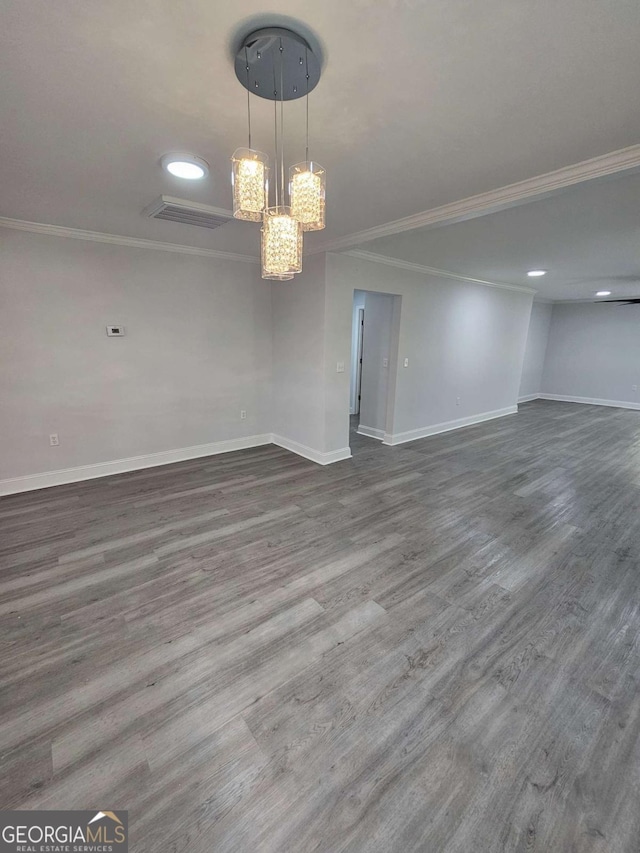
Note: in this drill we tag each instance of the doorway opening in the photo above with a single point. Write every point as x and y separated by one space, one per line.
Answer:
374 361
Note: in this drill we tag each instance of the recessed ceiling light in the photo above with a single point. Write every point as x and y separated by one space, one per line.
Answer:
536 273
603 293
185 166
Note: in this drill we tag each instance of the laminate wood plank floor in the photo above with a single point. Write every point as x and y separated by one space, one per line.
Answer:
431 647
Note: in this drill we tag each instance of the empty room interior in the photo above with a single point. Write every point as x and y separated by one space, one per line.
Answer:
320 484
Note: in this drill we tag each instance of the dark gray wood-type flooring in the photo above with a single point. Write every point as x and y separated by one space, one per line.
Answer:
433 647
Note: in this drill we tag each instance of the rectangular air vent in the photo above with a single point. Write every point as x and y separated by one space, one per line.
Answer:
187 212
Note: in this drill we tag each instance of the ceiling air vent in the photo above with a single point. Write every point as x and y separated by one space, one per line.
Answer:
187 212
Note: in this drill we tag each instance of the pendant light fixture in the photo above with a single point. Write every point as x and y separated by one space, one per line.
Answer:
281 251
250 173
279 65
307 182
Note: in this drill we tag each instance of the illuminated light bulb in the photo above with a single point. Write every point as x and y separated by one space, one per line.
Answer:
281 244
307 187
249 177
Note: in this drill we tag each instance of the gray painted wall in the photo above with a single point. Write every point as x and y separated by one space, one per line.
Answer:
462 340
378 313
196 352
207 338
537 339
298 355
594 352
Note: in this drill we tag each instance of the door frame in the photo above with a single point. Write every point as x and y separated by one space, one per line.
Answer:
359 361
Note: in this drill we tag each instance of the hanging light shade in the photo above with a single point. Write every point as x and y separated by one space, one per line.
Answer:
250 179
307 185
279 277
281 244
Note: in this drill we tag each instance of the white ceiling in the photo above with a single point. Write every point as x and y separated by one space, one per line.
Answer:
587 237
420 104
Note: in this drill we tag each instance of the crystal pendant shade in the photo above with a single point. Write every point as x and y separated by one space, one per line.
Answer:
307 184
250 179
281 244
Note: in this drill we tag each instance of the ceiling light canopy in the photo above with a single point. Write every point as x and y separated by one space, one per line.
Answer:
603 293
186 166
279 65
536 273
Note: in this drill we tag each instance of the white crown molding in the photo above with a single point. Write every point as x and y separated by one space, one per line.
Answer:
592 300
374 258
626 159
495 200
120 240
448 426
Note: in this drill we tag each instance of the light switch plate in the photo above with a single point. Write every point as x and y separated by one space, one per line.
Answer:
406 362
340 367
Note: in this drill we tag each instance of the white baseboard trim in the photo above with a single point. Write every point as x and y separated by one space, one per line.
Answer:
591 401
528 398
309 453
370 432
30 482
448 426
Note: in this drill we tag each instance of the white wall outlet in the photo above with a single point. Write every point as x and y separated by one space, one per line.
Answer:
385 362
634 387
243 414
53 439
115 331
406 362
340 367
457 401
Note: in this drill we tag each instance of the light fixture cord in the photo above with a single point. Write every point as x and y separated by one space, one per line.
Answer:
306 56
246 59
282 124
275 124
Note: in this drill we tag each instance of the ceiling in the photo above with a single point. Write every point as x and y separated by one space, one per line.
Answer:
587 237
420 104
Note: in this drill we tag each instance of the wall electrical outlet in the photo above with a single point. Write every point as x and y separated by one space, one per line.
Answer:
385 362
53 439
406 362
243 415
634 387
457 401
340 367
115 331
